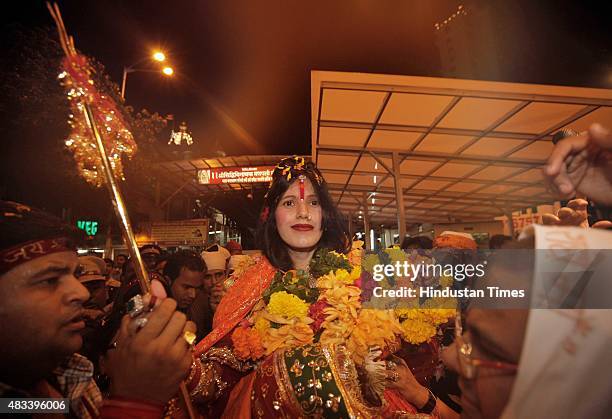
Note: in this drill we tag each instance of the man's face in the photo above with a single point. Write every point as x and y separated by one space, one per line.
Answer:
98 292
121 260
495 335
186 286
213 277
150 260
41 308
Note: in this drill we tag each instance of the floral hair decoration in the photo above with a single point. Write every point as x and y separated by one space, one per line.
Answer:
294 167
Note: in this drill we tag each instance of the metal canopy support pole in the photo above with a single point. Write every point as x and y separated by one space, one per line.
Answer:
366 222
399 197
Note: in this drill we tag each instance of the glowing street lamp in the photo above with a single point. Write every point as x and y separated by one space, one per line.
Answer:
156 56
159 56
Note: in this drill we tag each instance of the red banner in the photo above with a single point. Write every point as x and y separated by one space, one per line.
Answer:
235 175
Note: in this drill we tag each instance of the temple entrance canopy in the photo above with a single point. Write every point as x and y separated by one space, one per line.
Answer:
445 149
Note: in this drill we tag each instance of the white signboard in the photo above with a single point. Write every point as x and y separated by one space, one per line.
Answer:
174 233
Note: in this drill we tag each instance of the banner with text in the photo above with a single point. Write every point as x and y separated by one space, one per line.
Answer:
235 175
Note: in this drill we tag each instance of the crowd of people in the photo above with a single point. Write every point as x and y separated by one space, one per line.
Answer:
260 337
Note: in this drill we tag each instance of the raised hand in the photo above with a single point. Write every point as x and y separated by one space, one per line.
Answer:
582 165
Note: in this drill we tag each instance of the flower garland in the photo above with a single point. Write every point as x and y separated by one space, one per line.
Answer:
293 312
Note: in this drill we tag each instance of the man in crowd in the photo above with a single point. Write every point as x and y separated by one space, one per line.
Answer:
203 308
41 321
151 255
217 260
185 272
120 261
91 275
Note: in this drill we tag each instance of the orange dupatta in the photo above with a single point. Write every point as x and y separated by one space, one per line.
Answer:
238 302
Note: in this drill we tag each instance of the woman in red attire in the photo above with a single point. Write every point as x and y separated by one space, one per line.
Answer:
298 218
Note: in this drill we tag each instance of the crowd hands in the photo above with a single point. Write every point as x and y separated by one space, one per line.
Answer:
140 361
581 167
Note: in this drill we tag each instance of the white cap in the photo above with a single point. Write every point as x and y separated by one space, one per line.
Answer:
215 257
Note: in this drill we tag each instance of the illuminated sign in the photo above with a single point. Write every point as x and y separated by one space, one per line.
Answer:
235 175
90 227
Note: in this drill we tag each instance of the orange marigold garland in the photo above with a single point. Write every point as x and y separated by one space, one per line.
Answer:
247 343
80 88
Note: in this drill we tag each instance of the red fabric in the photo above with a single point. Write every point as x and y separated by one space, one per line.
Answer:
396 403
25 252
238 302
125 408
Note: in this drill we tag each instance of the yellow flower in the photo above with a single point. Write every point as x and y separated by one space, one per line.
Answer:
415 331
262 325
291 335
373 328
432 316
410 313
343 276
287 305
356 253
340 317
355 274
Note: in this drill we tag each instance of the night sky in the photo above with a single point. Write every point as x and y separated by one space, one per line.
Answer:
250 60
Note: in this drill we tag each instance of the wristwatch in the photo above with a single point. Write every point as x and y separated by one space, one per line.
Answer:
430 405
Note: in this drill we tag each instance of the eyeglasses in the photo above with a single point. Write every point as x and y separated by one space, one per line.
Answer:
468 366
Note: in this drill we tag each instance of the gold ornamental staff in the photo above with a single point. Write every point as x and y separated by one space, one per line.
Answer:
99 162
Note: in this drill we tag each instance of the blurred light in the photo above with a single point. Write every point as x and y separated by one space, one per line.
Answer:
159 56
168 71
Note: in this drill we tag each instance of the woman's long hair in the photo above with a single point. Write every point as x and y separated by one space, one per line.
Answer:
335 233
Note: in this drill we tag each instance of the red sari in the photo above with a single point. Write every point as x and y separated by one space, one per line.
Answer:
257 393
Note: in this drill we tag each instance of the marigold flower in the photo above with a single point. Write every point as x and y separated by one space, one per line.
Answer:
247 343
415 331
261 325
287 305
373 328
292 335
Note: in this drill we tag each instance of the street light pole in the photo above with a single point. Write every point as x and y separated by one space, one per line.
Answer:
125 73
157 56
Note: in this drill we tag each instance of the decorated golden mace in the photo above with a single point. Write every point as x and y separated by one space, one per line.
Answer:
100 162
